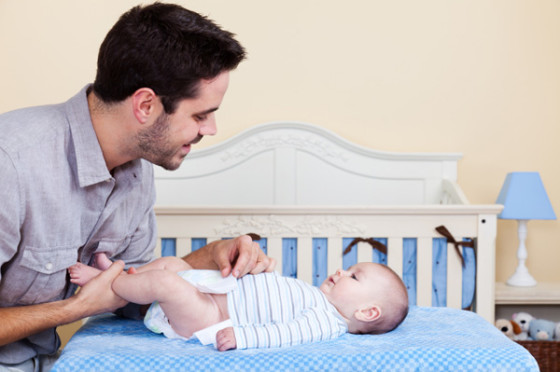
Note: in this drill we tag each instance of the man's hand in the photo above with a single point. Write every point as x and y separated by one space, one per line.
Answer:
243 254
237 256
97 296
225 339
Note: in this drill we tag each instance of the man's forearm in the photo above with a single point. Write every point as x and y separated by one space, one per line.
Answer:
94 298
23 321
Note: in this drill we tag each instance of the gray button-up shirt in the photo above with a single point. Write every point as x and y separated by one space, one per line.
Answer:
59 204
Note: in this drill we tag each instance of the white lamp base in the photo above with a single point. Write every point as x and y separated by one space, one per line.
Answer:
521 277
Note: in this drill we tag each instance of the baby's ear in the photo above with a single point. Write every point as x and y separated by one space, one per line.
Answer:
368 314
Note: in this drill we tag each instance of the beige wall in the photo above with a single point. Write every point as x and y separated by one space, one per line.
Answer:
478 77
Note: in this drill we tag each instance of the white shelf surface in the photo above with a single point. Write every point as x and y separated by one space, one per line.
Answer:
546 293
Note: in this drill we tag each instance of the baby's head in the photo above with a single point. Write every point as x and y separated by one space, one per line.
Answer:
371 297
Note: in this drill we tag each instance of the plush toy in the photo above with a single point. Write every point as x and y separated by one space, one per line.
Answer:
508 327
541 329
523 319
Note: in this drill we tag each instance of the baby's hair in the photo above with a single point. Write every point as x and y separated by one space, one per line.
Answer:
394 310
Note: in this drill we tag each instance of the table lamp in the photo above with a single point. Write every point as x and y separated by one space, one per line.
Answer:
524 198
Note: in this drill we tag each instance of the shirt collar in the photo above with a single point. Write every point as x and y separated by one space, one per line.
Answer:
90 163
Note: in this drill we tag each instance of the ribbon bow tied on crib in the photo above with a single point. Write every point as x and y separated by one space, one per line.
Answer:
254 236
450 239
374 244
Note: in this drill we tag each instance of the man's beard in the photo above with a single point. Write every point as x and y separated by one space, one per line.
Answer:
154 144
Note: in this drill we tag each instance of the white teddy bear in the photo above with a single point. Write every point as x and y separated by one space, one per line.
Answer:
523 319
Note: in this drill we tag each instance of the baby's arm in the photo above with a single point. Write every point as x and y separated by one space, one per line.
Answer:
225 339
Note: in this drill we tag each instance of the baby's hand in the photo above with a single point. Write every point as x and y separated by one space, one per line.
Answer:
225 339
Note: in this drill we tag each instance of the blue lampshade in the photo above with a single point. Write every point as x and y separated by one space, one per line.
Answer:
524 198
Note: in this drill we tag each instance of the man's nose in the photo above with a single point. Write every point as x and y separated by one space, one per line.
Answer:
209 127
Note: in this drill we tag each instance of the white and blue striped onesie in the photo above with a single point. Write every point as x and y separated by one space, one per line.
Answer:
269 310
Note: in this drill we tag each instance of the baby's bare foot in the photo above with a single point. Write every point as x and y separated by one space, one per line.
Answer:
80 274
102 262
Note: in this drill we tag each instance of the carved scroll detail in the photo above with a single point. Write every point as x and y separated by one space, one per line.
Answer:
314 145
273 226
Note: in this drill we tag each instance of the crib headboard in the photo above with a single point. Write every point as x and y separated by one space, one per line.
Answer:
308 193
303 164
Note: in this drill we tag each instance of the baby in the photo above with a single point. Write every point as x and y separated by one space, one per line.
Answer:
266 310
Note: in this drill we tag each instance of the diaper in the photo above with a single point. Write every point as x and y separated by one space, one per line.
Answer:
156 321
207 281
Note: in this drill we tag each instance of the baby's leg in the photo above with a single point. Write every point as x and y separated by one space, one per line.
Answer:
164 263
187 309
102 262
80 274
170 263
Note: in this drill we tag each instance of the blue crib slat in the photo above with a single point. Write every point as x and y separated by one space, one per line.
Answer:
197 243
263 244
379 257
409 268
289 257
469 276
320 266
439 272
350 258
168 247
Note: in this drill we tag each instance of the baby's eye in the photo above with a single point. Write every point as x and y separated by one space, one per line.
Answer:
354 277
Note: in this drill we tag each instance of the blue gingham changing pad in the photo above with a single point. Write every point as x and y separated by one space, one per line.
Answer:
430 339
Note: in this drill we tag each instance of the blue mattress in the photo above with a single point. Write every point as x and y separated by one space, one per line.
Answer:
430 339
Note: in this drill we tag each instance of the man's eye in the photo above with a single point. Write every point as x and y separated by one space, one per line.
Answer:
200 117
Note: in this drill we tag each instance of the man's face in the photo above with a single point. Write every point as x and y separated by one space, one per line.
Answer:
168 140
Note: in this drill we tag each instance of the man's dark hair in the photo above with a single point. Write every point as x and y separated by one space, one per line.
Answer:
164 47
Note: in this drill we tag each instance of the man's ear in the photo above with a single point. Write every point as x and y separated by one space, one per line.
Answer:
368 314
144 104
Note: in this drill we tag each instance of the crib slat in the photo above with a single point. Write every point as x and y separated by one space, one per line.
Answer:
454 278
334 255
157 252
183 247
424 272
305 260
486 266
395 255
274 250
364 252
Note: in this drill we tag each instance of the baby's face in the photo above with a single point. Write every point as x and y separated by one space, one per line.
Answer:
350 290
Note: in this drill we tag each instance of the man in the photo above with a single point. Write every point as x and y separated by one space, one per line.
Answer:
77 178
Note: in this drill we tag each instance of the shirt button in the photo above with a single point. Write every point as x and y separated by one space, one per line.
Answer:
48 266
